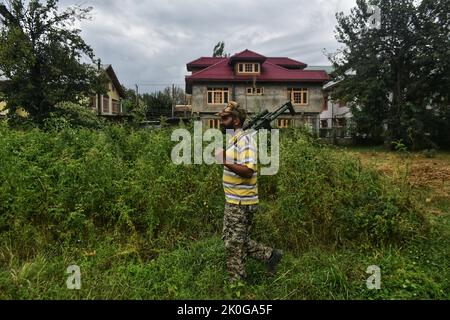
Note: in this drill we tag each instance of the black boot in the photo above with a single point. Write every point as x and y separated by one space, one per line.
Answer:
274 260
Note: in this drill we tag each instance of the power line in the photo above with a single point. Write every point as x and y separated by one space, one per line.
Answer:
159 84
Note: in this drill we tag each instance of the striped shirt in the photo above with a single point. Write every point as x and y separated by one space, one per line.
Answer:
242 150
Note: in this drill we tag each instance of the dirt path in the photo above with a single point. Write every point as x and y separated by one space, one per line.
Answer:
425 174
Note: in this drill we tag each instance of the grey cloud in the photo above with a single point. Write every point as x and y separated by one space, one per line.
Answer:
150 42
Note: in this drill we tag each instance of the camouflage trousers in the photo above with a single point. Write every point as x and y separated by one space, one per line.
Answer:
236 235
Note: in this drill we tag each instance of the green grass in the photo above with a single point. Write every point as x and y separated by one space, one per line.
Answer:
139 227
197 271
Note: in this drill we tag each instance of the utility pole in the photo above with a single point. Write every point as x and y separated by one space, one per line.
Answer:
173 100
137 95
185 105
99 97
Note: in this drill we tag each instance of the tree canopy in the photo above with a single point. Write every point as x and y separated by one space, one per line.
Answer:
219 50
44 56
395 76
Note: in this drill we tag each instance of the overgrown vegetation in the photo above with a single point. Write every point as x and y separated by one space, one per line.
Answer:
112 202
44 57
394 74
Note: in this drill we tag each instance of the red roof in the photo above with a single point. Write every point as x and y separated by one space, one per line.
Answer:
203 62
272 70
287 63
247 55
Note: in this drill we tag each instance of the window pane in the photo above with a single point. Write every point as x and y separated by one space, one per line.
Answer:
210 97
241 67
217 97
249 90
115 107
325 103
256 67
248 67
225 97
305 98
106 104
297 97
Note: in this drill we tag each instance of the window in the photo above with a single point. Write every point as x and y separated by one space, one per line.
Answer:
214 123
284 123
255 91
105 104
324 123
248 67
298 96
217 95
115 107
325 103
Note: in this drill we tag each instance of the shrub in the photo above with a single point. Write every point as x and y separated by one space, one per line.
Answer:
323 196
70 115
76 184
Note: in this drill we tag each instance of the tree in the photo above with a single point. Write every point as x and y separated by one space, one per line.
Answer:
399 77
176 93
130 101
158 104
41 53
219 50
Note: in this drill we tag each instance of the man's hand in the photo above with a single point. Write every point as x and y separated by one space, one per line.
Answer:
220 156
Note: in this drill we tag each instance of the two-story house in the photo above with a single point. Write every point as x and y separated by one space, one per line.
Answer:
109 105
257 83
336 116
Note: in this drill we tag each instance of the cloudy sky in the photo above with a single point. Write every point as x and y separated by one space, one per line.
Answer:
149 42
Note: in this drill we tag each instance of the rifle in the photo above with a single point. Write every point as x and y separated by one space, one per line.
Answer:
263 119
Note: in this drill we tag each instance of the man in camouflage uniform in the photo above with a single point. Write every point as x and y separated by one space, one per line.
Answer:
241 193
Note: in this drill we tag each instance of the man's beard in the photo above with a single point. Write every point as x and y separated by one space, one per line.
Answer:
225 128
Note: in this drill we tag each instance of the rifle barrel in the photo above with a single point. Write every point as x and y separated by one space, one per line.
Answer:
264 119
